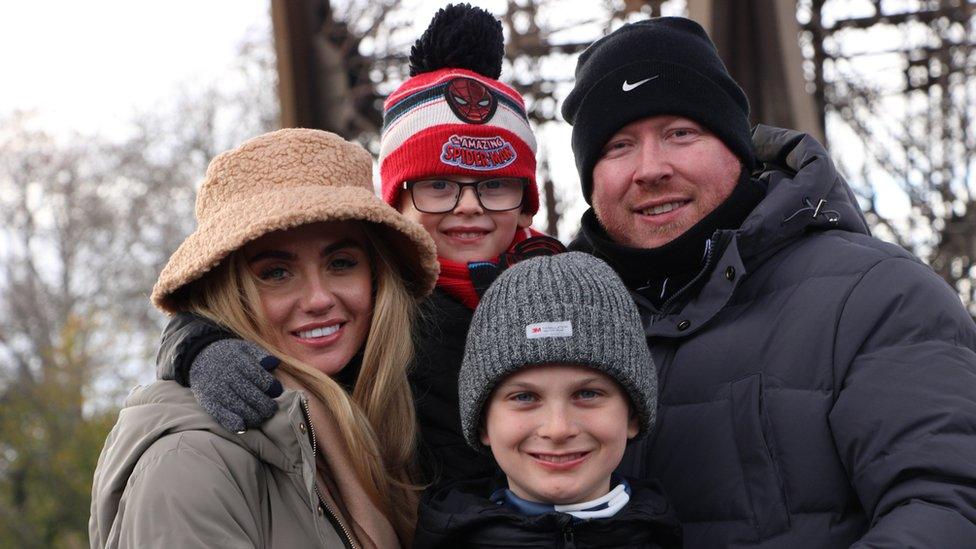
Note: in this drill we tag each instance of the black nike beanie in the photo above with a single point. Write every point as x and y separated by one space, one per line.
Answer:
661 66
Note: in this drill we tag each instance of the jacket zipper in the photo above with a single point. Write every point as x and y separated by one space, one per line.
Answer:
705 269
669 357
569 538
333 515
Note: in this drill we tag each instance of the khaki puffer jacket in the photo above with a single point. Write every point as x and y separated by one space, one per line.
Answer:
170 476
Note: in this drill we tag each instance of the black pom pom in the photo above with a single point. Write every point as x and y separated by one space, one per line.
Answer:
460 37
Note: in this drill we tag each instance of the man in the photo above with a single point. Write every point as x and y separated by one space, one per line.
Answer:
817 385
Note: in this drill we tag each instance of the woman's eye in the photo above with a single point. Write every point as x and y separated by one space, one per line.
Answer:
343 263
273 274
523 397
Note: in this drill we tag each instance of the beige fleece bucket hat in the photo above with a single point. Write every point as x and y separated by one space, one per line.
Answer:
281 180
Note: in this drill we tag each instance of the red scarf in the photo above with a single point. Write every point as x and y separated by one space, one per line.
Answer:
455 278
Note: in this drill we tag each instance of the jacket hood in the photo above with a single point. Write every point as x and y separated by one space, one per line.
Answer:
165 408
804 193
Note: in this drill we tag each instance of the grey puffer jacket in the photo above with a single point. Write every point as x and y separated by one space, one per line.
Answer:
170 476
818 389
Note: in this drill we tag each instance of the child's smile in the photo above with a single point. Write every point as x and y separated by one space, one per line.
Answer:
558 431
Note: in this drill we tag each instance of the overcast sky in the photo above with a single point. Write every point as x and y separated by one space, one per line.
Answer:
89 65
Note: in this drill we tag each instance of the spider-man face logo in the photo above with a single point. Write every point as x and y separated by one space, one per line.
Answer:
470 100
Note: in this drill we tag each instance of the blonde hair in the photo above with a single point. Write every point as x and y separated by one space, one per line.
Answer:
377 421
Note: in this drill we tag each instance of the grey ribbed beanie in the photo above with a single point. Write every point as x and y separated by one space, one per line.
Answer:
567 308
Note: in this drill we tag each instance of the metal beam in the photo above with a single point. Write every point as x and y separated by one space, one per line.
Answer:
759 42
293 37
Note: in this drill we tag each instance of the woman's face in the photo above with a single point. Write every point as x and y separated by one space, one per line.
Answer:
315 285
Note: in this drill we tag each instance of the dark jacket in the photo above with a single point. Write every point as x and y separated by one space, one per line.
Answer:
439 346
183 338
818 387
461 515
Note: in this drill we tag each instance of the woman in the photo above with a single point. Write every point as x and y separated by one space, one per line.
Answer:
458 56
294 253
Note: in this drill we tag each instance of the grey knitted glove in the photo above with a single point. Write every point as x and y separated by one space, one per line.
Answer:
230 378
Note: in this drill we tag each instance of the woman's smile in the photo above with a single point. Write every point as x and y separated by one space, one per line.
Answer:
315 283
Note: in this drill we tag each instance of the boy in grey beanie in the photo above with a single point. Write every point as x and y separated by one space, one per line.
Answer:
556 379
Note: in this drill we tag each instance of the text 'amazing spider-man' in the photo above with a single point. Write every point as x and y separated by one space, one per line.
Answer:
470 100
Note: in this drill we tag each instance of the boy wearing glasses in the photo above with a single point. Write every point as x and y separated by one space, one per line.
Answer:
470 219
457 155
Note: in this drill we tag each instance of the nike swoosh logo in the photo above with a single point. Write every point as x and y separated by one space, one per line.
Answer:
628 86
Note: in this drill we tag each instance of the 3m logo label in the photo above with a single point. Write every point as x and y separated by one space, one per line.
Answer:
541 330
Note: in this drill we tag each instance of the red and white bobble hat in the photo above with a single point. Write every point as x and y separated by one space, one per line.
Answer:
455 120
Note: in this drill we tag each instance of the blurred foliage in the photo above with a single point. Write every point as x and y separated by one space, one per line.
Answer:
88 224
49 451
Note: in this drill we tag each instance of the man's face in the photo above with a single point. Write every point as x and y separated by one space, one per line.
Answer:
659 176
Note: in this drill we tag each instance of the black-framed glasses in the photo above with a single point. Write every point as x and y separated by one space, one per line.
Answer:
441 195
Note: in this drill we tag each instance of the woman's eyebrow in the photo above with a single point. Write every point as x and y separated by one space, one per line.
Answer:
271 254
341 244
288 256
